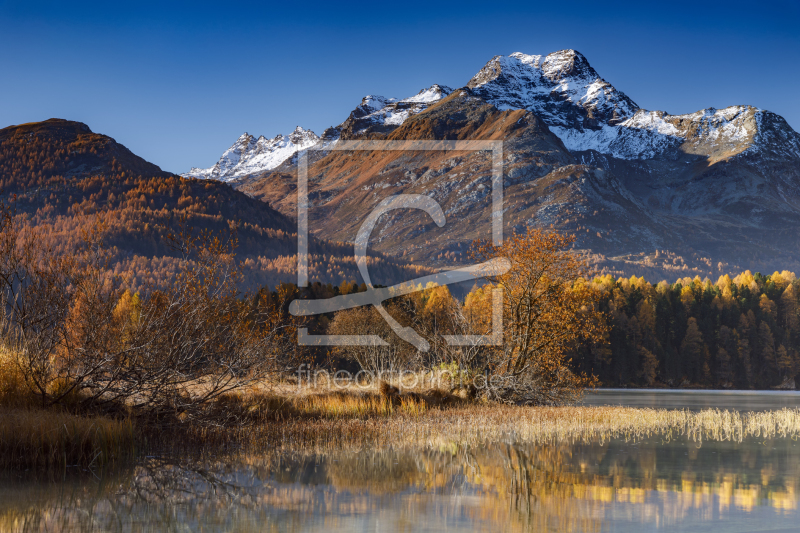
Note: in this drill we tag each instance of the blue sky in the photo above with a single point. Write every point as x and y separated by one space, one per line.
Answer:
178 82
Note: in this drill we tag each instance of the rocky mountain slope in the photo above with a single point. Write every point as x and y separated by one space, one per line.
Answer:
646 192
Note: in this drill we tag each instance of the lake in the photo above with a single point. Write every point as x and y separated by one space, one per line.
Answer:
656 484
695 400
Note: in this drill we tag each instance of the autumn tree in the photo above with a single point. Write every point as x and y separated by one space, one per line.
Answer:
649 366
548 307
723 363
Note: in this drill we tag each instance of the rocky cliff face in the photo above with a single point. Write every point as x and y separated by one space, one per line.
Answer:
646 192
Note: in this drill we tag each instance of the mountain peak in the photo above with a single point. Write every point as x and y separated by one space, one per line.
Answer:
567 63
561 87
249 156
58 127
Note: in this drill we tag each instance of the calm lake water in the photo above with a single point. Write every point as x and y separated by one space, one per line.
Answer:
652 485
695 399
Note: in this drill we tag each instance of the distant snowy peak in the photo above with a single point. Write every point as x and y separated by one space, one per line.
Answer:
715 133
248 155
432 94
562 88
378 114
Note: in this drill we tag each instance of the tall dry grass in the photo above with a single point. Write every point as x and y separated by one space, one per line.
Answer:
55 440
34 437
336 425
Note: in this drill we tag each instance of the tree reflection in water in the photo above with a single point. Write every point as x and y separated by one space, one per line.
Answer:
617 485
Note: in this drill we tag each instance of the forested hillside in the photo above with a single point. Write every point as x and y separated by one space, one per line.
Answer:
741 332
67 179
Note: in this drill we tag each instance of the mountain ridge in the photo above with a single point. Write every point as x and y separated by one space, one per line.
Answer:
581 108
645 191
66 179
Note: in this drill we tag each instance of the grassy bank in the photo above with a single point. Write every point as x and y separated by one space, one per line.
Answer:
318 419
474 425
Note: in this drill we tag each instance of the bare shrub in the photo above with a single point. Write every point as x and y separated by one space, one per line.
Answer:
77 332
393 355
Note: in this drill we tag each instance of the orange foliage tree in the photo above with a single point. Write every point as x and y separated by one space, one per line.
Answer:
79 334
548 307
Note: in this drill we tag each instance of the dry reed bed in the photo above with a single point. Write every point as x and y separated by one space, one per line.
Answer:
51 439
366 421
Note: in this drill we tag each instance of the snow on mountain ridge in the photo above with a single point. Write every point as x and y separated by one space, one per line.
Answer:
561 87
648 134
249 155
379 112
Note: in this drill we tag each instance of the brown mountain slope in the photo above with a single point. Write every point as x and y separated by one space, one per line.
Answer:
543 184
69 178
713 203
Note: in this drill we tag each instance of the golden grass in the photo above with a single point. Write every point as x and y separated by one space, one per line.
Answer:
345 425
257 407
49 439
356 406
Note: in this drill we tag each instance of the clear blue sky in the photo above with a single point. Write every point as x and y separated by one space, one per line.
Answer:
178 82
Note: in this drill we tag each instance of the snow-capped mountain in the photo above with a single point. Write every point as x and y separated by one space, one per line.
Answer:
250 156
703 188
588 113
562 88
581 108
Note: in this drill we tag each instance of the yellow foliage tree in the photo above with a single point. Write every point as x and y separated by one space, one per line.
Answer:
548 307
